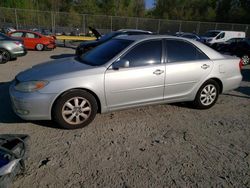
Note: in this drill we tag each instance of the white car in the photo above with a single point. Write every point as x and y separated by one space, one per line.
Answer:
219 36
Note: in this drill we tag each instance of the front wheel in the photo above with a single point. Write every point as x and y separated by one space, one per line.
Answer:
75 109
207 95
39 47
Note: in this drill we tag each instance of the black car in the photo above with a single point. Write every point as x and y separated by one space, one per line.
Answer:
240 49
88 45
219 45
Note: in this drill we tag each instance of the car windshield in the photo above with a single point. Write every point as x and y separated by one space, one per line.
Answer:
105 52
108 36
211 34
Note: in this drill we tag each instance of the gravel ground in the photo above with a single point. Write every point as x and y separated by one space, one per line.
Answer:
155 146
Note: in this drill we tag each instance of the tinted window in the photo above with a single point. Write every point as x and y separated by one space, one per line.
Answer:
105 52
146 53
182 51
211 34
221 36
31 35
17 34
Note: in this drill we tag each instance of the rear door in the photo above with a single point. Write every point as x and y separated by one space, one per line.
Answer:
186 66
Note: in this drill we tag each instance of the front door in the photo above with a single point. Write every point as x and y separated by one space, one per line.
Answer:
139 80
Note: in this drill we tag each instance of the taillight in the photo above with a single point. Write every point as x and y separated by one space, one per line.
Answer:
241 64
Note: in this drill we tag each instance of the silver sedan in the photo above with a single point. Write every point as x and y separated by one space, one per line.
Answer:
122 73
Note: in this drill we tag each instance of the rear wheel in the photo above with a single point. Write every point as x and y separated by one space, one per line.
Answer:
75 109
39 47
4 56
207 95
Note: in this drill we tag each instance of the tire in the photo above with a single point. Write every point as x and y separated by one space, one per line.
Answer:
245 59
39 47
4 56
75 109
205 100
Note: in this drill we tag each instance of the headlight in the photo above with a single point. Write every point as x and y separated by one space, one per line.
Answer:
30 86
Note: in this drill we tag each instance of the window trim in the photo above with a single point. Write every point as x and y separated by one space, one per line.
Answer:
166 51
137 44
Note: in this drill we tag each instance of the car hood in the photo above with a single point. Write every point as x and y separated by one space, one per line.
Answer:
53 70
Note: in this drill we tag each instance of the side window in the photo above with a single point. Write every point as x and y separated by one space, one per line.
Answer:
221 36
182 51
146 53
30 35
17 34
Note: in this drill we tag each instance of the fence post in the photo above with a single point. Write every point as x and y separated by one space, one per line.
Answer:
111 23
180 27
84 23
137 20
16 19
159 26
198 27
52 23
216 25
232 27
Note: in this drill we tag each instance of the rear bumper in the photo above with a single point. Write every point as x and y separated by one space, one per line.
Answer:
232 83
18 52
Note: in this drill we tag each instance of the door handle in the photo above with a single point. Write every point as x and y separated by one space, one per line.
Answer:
205 66
158 72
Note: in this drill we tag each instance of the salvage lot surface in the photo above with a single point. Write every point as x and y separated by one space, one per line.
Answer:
154 146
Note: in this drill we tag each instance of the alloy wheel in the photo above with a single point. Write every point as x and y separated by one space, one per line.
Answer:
76 110
208 95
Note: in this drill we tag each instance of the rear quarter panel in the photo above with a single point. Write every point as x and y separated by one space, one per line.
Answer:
228 71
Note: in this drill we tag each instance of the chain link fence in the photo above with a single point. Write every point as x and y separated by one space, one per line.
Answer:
62 22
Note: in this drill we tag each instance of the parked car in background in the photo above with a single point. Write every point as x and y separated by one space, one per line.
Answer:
33 40
86 46
218 36
7 30
218 45
45 32
10 48
127 71
190 36
240 49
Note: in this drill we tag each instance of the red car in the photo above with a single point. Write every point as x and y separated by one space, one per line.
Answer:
33 40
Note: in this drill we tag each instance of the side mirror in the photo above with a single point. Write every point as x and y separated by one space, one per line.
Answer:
122 63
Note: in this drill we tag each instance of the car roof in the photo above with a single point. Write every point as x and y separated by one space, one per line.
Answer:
134 30
26 31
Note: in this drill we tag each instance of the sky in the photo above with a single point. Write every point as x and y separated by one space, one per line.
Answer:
149 3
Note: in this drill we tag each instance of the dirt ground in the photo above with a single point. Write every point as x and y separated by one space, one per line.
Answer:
155 146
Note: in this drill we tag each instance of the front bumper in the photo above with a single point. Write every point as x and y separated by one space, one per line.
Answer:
31 106
50 46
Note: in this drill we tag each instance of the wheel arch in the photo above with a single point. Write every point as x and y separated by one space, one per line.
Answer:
83 89
219 83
